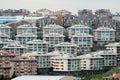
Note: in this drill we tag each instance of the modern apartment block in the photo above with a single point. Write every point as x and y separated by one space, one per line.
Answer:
25 37
16 48
78 29
4 37
43 59
23 65
67 47
53 39
5 57
84 41
52 29
27 28
5 42
65 63
91 62
115 48
4 29
109 58
37 45
103 35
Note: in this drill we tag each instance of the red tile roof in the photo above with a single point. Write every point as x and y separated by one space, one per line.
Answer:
23 57
62 11
114 76
45 10
2 52
117 76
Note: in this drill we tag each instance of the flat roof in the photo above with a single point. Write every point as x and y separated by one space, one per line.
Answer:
38 77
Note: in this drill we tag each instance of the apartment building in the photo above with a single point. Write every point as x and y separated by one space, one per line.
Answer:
53 39
109 58
25 37
5 42
37 45
67 47
103 35
78 29
84 41
65 63
115 48
3 37
23 65
5 57
90 62
4 29
16 48
52 29
43 59
27 28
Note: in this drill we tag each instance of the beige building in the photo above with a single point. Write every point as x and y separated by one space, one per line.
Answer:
109 58
65 63
115 48
91 62
78 29
24 65
37 45
53 29
67 47
53 39
5 68
104 35
27 28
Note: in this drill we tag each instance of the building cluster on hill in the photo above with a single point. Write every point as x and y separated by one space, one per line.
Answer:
27 54
60 42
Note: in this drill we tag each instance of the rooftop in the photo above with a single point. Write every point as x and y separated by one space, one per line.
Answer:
54 35
26 35
89 56
35 53
39 77
4 26
26 26
113 44
37 41
23 58
14 44
79 26
104 29
4 53
53 26
82 35
66 44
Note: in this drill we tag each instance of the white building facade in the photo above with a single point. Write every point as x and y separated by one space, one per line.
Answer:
104 35
78 29
27 28
16 48
67 47
37 45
